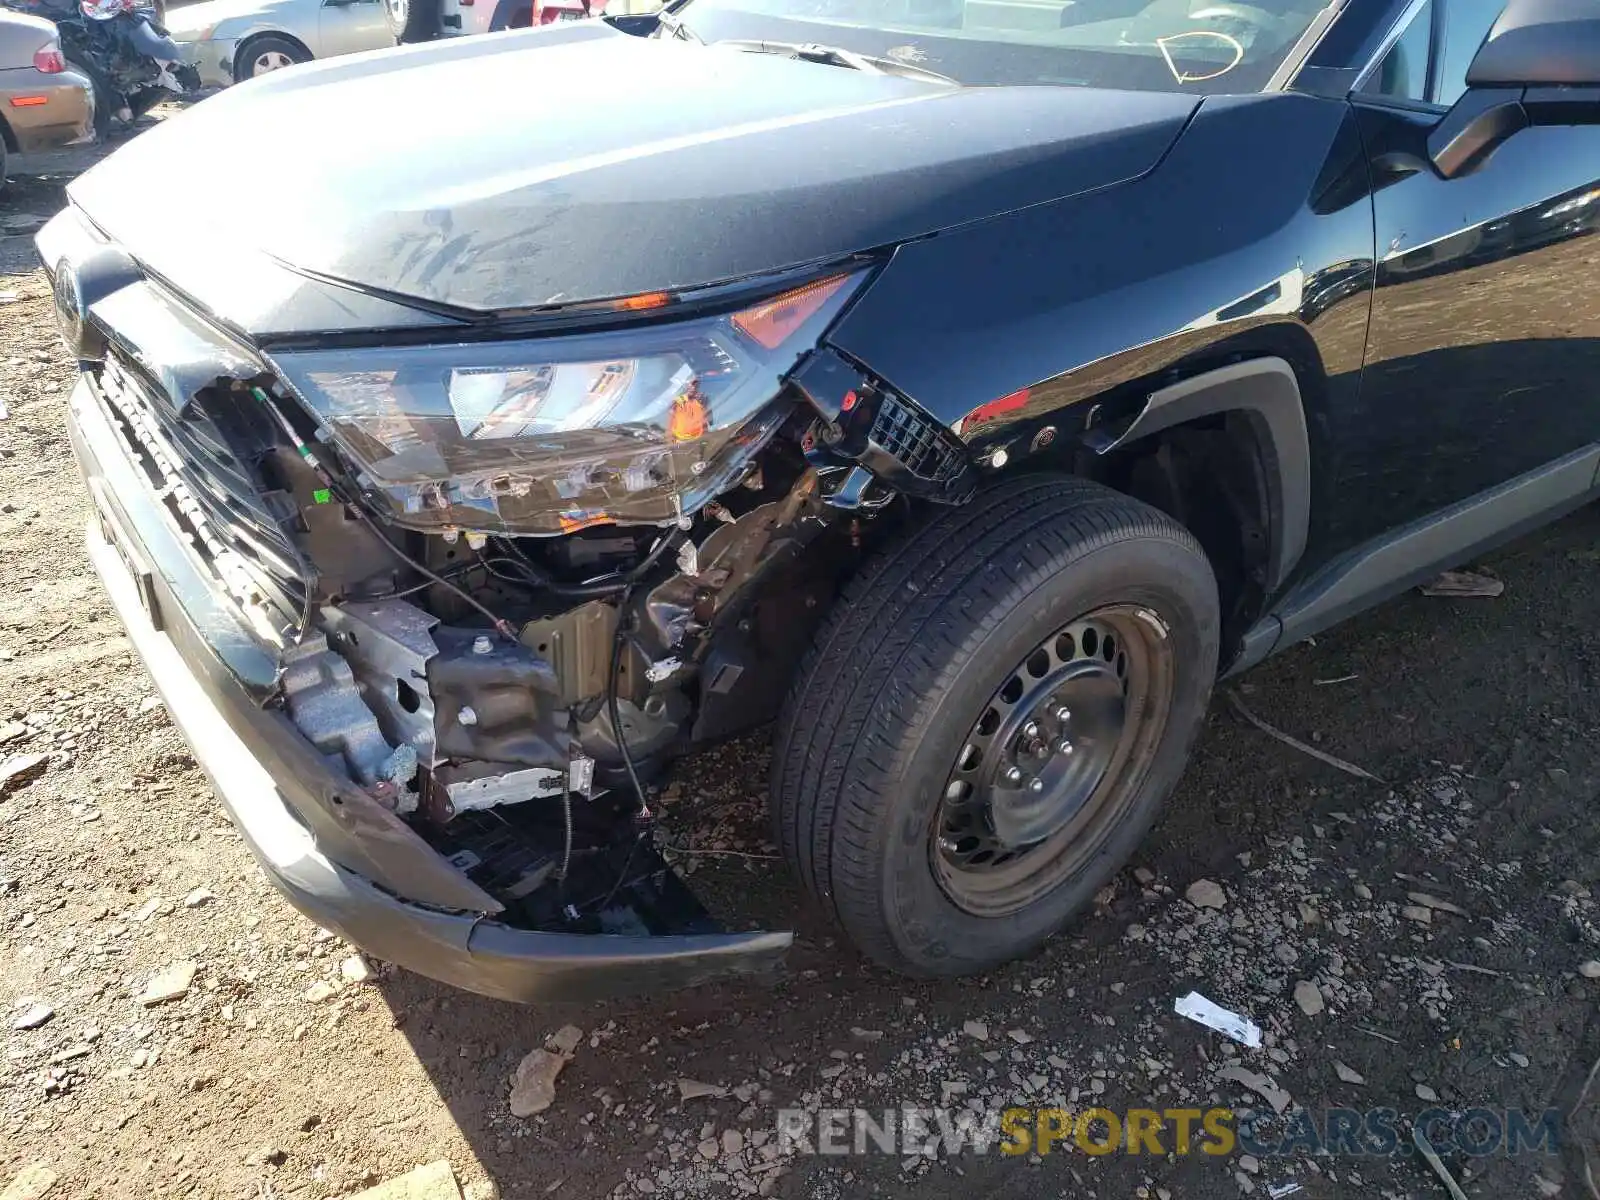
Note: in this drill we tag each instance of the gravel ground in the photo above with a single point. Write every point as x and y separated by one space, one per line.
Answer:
1424 936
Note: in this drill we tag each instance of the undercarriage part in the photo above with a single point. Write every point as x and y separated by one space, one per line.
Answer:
578 645
731 558
652 727
470 786
325 703
388 644
616 882
495 701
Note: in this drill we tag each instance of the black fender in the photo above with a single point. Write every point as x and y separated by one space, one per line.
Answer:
1266 392
1121 311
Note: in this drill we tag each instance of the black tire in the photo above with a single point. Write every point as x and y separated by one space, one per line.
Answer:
412 20
102 95
3 154
248 60
931 631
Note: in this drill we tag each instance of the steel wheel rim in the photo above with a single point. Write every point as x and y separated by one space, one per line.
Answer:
1040 779
271 60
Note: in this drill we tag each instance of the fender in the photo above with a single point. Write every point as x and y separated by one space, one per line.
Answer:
1267 393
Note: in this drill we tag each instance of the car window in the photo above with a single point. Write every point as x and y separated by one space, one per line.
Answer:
1159 45
1466 24
1403 73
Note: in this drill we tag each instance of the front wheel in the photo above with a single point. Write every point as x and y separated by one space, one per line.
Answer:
266 54
990 720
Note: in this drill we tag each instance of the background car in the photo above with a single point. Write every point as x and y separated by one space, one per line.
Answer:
42 104
229 41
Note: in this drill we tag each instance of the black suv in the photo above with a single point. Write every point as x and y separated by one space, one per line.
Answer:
963 386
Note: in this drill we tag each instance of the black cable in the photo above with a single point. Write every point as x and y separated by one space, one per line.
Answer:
534 578
622 875
566 851
413 589
614 708
537 577
502 626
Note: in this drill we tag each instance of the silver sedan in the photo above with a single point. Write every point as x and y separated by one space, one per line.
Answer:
230 41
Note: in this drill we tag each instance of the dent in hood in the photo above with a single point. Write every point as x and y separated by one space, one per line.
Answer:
569 164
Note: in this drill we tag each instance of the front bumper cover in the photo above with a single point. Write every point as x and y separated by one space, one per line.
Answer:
310 829
213 59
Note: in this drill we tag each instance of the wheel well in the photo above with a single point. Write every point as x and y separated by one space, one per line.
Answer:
243 52
1208 474
1225 452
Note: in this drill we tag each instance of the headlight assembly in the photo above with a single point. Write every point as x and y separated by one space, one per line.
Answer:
550 435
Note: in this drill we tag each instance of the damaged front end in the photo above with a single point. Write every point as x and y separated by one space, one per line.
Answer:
500 583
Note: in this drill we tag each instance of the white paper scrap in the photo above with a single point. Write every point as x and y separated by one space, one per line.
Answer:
1197 1008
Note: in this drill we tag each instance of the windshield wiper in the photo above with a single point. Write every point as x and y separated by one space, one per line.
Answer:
838 56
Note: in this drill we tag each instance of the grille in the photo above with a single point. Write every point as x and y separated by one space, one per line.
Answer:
917 441
199 463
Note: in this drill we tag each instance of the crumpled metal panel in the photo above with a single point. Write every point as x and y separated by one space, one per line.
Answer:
325 703
389 644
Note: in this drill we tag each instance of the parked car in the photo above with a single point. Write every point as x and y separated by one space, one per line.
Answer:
233 40
468 472
42 104
229 41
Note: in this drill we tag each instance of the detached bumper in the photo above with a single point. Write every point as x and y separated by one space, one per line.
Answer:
301 820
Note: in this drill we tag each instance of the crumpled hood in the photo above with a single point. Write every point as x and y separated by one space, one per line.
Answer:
576 163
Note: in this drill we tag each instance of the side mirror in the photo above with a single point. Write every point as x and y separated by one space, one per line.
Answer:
1540 65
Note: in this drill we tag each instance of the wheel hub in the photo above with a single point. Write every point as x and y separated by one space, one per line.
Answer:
1035 764
1058 749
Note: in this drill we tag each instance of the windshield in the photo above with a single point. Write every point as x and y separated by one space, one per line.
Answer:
1197 46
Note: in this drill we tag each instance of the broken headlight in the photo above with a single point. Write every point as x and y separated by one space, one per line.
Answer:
550 435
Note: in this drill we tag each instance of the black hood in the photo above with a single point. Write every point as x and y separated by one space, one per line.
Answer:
578 163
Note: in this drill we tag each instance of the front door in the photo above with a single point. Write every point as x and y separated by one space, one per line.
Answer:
1483 355
347 26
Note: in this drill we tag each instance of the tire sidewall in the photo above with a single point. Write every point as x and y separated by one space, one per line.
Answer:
1156 573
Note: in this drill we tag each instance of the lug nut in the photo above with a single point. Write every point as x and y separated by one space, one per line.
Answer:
1031 729
468 715
1063 714
482 645
1036 785
1013 775
1065 747
948 845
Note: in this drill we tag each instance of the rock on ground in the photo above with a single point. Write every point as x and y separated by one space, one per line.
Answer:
32 1183
533 1087
1206 893
169 984
1309 997
436 1181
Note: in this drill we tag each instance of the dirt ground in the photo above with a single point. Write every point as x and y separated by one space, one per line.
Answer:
277 1074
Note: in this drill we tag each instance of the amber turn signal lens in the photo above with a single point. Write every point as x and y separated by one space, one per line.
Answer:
688 419
644 301
772 322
